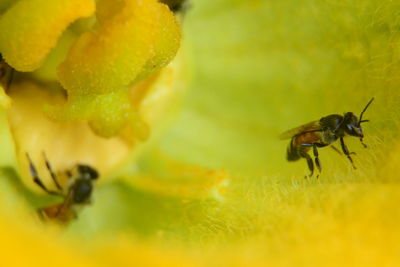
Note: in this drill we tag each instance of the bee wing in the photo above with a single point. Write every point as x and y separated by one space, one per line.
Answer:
313 126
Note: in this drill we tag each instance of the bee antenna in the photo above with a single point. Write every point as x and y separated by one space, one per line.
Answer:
362 112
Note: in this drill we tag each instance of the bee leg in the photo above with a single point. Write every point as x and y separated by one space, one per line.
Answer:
362 142
52 174
36 178
310 163
346 152
316 159
336 149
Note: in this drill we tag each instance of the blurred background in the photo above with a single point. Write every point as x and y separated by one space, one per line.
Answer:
259 68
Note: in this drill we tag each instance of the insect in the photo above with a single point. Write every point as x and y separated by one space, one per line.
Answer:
321 133
76 192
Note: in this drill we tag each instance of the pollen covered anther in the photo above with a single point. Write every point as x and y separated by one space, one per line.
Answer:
31 28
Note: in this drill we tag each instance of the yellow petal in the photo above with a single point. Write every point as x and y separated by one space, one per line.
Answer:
31 28
389 171
5 100
66 143
161 174
39 249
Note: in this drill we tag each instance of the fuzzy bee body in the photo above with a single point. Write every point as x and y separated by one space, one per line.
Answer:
59 212
321 133
76 193
296 148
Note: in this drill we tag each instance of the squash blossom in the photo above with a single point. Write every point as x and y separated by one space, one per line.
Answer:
85 74
87 82
99 82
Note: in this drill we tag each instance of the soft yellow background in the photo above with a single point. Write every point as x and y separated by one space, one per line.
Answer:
257 69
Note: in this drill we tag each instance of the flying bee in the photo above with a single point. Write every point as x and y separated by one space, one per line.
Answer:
76 192
321 133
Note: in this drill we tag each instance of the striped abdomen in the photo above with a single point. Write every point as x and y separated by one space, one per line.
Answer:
296 148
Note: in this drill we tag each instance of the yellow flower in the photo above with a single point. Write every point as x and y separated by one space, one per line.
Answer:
256 69
100 60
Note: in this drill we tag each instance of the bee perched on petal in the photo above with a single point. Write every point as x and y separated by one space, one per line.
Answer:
76 192
321 133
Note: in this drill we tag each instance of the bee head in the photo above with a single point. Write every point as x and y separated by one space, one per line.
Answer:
83 185
351 125
87 172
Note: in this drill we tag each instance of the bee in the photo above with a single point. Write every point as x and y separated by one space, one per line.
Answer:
76 192
321 133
